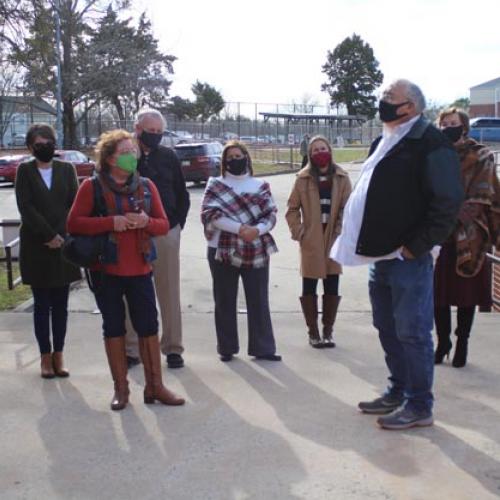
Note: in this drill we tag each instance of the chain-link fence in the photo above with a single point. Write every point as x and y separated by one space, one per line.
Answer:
237 120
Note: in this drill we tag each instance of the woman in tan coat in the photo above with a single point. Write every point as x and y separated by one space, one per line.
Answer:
314 216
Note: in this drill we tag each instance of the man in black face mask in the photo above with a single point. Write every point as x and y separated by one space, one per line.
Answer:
161 165
404 204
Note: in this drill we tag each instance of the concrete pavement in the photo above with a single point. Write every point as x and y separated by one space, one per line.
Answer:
249 429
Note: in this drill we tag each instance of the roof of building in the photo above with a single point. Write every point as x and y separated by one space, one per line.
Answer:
311 117
37 103
491 84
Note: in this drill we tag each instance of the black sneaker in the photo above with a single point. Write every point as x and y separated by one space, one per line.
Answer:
380 406
175 360
132 361
404 418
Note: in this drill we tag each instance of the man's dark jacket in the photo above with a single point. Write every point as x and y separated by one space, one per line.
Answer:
414 194
162 166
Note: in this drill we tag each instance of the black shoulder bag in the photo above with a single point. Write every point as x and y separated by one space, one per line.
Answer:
87 250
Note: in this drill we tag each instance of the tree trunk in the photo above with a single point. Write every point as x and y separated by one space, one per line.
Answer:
70 140
119 109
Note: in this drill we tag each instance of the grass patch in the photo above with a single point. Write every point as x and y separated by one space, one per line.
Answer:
11 298
266 161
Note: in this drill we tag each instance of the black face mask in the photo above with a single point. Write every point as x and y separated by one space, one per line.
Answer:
237 166
388 112
453 133
150 139
44 152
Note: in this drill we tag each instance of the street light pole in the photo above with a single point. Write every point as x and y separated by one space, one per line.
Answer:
59 125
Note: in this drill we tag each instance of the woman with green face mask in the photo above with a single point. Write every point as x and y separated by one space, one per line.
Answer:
134 214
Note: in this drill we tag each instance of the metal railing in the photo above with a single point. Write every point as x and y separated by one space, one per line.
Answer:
9 257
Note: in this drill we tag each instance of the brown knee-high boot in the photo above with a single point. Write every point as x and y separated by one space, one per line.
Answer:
155 390
309 305
115 350
330 307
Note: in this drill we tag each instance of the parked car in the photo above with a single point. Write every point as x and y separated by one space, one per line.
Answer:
17 140
84 166
199 161
184 135
170 139
8 166
248 138
485 129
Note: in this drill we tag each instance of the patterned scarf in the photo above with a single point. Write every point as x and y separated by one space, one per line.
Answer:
248 208
475 236
131 196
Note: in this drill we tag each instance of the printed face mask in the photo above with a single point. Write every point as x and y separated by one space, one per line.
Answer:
127 162
150 140
453 133
321 159
44 152
237 166
388 112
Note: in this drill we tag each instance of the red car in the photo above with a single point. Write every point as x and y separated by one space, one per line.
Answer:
84 166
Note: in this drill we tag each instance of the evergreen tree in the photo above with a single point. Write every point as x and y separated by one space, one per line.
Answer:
353 76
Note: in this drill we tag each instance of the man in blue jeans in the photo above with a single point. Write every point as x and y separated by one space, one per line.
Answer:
404 204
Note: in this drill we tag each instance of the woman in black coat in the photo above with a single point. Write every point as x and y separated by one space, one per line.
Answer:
45 190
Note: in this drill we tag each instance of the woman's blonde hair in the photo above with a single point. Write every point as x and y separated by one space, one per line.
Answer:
462 115
106 147
239 145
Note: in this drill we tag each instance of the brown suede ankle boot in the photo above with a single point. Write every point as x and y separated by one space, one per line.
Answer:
154 389
309 305
117 360
47 370
58 364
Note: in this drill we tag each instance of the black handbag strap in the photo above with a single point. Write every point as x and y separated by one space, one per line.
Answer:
99 209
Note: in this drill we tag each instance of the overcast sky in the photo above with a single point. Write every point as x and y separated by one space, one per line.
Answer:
272 50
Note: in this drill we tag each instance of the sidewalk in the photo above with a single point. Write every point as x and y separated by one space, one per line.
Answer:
249 430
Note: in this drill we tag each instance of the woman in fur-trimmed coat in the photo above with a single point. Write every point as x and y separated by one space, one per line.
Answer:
463 275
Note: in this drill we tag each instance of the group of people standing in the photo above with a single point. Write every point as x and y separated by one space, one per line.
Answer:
414 193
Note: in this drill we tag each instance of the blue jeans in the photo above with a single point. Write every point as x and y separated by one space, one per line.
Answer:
401 294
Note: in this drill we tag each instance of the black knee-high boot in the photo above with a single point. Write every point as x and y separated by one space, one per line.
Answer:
465 317
442 318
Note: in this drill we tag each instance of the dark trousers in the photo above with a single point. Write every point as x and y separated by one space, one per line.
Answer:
225 289
139 292
304 161
330 285
50 304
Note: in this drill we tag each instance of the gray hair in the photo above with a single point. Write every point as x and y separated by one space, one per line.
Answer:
143 114
414 94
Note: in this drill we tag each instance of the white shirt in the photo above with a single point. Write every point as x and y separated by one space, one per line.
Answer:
46 174
344 248
239 184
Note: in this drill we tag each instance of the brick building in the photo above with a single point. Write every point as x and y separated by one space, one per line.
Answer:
485 99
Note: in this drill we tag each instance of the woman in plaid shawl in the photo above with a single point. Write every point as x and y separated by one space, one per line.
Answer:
463 275
237 213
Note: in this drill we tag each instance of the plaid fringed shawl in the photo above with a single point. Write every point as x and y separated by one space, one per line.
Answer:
482 201
248 208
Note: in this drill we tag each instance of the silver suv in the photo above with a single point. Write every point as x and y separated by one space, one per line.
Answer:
170 139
